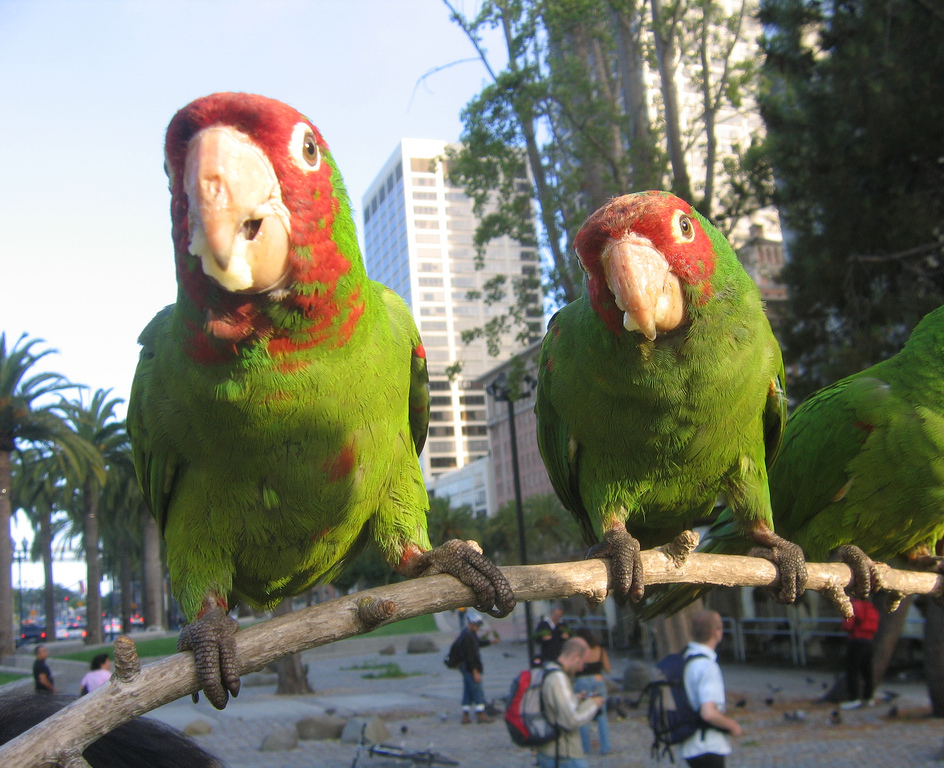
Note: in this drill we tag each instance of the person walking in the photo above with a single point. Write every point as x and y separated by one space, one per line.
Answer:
861 629
590 682
564 708
704 686
473 695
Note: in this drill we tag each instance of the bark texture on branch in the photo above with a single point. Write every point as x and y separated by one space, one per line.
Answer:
66 734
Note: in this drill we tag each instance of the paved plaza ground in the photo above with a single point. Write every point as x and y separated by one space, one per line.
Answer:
783 722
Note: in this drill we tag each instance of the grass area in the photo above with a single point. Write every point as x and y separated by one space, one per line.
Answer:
167 646
386 671
415 626
149 647
10 677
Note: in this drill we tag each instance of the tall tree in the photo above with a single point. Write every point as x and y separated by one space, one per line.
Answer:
853 99
28 416
97 424
39 490
570 121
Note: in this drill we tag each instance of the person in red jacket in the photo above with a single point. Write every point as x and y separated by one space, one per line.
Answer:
861 629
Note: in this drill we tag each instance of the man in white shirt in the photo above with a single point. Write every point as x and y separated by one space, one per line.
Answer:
704 686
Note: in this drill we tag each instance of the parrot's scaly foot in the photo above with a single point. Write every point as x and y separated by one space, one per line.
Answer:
625 563
465 561
214 649
787 556
860 564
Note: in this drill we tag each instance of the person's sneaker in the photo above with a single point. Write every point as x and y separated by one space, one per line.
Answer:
483 718
465 718
854 704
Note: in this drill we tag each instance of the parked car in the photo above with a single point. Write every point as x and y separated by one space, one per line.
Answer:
31 633
76 630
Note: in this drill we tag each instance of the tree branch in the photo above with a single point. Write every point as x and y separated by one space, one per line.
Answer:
132 691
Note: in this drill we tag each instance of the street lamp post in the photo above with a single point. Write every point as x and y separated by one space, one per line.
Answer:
502 391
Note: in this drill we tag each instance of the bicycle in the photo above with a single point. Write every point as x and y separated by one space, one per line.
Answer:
392 751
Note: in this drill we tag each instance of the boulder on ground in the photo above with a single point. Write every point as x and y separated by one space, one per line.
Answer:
320 727
421 644
374 729
279 740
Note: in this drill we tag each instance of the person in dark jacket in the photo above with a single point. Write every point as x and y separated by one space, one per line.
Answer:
473 695
551 633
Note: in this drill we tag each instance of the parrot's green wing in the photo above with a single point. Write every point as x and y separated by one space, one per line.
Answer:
775 416
156 465
419 376
561 453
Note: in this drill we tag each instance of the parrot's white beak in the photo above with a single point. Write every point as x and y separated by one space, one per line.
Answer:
239 226
644 286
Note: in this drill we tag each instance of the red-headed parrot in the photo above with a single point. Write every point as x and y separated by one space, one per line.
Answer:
279 405
861 469
662 387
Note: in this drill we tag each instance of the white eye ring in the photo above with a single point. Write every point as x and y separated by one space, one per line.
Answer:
304 148
683 227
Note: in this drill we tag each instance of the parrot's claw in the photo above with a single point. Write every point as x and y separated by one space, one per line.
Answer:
211 638
465 561
863 581
625 563
789 559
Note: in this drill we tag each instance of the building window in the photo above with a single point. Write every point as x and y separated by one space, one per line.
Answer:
426 210
430 282
422 165
442 462
441 431
426 224
430 266
421 181
440 400
424 195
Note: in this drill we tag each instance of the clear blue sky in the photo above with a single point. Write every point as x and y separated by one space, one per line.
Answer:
88 88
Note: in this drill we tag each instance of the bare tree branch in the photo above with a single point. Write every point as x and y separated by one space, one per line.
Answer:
61 739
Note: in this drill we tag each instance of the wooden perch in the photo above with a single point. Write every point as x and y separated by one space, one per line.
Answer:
132 691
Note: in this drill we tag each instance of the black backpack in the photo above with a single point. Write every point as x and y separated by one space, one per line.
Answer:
671 715
454 659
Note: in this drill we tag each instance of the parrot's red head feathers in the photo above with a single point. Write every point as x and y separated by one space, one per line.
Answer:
261 225
646 255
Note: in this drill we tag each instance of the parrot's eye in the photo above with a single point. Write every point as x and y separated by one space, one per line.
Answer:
686 230
310 150
305 149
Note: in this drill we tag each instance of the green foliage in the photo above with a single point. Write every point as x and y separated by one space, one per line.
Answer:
854 104
389 671
551 533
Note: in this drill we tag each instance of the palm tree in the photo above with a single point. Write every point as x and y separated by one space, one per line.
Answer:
122 533
97 424
26 418
38 488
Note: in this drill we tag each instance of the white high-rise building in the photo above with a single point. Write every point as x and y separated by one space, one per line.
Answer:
418 231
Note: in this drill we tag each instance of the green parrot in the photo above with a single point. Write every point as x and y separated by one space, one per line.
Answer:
279 406
661 387
860 474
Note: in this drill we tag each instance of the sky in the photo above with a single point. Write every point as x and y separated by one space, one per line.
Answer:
88 90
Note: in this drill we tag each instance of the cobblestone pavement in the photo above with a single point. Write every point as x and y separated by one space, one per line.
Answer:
422 710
